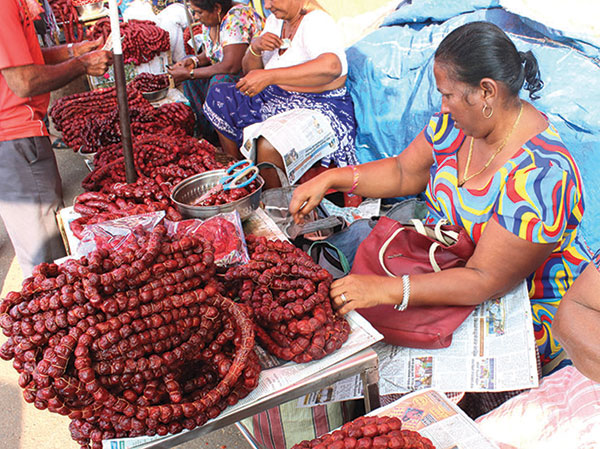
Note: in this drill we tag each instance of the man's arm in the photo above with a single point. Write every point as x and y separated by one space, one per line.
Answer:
62 53
31 80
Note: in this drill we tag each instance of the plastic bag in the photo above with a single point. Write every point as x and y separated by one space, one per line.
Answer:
224 231
113 234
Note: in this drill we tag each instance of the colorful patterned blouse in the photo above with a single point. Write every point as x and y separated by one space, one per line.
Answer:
596 260
537 195
239 26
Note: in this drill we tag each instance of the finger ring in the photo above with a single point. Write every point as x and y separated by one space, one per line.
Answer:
344 299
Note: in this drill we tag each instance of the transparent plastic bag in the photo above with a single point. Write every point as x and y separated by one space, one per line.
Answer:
223 230
113 234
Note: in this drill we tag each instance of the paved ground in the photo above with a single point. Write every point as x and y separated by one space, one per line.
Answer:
22 426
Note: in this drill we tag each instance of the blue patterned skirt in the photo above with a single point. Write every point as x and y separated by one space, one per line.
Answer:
195 91
230 112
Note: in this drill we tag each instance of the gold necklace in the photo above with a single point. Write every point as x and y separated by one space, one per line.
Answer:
487 164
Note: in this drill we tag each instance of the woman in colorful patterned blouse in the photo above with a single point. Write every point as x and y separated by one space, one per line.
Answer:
227 30
491 163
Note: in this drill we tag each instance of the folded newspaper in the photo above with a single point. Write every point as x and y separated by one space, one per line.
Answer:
434 416
301 136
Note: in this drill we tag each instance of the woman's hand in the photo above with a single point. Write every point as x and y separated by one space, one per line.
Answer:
361 291
307 196
254 82
186 63
266 42
179 72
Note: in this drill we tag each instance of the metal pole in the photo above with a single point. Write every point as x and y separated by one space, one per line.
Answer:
119 66
190 27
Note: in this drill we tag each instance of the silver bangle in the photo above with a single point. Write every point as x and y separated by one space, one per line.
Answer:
70 50
405 294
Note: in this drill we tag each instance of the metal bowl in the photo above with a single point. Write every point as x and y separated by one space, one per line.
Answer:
90 9
156 95
192 188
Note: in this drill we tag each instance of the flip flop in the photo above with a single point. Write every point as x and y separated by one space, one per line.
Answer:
58 144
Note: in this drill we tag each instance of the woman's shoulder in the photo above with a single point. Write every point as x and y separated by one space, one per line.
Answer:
318 17
440 131
546 150
243 11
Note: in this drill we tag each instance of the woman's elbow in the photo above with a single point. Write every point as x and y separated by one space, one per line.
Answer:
330 66
335 68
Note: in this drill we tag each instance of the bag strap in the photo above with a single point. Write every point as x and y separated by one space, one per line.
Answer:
283 179
443 236
384 248
344 264
435 245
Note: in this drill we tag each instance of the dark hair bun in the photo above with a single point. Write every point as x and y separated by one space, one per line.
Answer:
480 50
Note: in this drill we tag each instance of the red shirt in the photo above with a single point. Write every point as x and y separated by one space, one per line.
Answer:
19 46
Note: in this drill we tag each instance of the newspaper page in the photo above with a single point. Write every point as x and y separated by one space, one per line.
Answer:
434 416
301 136
493 350
278 375
261 225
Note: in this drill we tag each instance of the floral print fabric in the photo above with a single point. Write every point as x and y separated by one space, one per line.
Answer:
239 26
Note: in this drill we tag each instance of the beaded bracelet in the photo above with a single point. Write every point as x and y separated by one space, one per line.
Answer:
258 55
405 294
355 176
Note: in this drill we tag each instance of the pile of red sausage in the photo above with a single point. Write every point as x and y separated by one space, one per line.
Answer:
149 82
142 40
90 120
66 14
227 196
129 343
161 162
369 432
289 297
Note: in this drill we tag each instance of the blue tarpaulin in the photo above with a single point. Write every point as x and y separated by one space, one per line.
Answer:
392 85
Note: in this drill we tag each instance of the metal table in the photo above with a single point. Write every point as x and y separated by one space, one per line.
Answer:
364 363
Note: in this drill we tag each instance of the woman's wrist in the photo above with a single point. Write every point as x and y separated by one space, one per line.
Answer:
355 178
257 54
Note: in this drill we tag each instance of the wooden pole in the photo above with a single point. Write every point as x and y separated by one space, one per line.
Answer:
121 85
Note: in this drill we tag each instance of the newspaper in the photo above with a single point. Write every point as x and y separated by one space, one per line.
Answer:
435 417
493 350
301 136
261 225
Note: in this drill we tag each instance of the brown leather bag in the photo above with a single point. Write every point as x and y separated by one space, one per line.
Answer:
394 249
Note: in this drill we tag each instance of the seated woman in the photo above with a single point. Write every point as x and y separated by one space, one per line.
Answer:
565 410
228 29
491 163
298 62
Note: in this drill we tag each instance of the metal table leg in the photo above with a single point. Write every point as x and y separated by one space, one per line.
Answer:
370 379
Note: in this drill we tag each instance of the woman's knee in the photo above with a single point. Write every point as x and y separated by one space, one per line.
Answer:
266 152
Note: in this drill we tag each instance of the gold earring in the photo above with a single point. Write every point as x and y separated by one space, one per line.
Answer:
485 106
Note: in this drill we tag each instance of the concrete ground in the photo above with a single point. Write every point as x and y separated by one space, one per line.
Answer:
22 426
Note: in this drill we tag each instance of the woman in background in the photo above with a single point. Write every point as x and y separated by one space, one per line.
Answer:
227 30
297 62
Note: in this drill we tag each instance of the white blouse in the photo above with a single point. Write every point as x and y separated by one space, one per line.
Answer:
317 34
